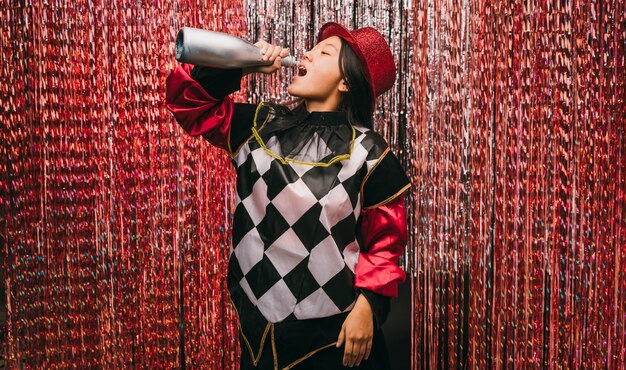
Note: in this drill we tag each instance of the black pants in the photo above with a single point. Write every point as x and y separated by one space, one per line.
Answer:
285 339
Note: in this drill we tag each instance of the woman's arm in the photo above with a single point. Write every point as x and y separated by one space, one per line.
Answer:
198 97
383 232
382 235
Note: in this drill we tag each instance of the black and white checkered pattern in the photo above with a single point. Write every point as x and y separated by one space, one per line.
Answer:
294 231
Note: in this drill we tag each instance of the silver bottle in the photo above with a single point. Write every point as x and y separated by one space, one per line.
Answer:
221 50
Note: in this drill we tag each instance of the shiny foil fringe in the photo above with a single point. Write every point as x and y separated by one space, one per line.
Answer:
113 218
518 150
510 118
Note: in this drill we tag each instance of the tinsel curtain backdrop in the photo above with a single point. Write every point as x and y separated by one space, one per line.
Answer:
508 115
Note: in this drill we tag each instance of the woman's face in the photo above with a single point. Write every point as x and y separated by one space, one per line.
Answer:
318 77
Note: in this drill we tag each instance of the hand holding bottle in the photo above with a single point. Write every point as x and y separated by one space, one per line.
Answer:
273 53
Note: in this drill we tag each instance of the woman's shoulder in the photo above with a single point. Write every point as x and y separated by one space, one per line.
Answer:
371 140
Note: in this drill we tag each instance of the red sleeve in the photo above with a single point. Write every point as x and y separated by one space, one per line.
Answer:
195 110
384 236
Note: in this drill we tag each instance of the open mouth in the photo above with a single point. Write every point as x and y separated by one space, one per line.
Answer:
301 70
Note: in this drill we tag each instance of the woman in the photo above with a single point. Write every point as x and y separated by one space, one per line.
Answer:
319 221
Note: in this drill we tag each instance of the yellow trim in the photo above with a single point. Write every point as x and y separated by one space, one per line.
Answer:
307 356
274 350
255 361
390 198
367 175
284 160
233 155
270 327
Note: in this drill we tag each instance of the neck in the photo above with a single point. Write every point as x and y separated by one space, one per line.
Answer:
328 105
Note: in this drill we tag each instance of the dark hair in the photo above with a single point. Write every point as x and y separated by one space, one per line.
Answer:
358 102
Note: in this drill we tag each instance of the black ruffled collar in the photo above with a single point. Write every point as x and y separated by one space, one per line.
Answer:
328 118
297 135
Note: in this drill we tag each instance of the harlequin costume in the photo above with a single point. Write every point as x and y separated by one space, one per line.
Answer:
319 212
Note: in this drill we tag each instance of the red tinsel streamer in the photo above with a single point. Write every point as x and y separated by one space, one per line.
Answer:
509 116
520 159
106 203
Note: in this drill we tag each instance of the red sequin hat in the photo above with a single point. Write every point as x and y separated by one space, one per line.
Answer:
373 51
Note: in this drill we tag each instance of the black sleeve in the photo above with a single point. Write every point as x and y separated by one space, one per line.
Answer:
380 306
241 126
385 181
222 82
217 82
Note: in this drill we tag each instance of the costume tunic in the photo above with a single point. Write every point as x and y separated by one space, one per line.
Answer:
318 219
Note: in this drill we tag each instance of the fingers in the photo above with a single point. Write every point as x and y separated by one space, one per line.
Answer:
271 52
277 63
353 353
342 336
358 354
275 53
348 354
263 45
356 350
265 48
285 52
368 349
